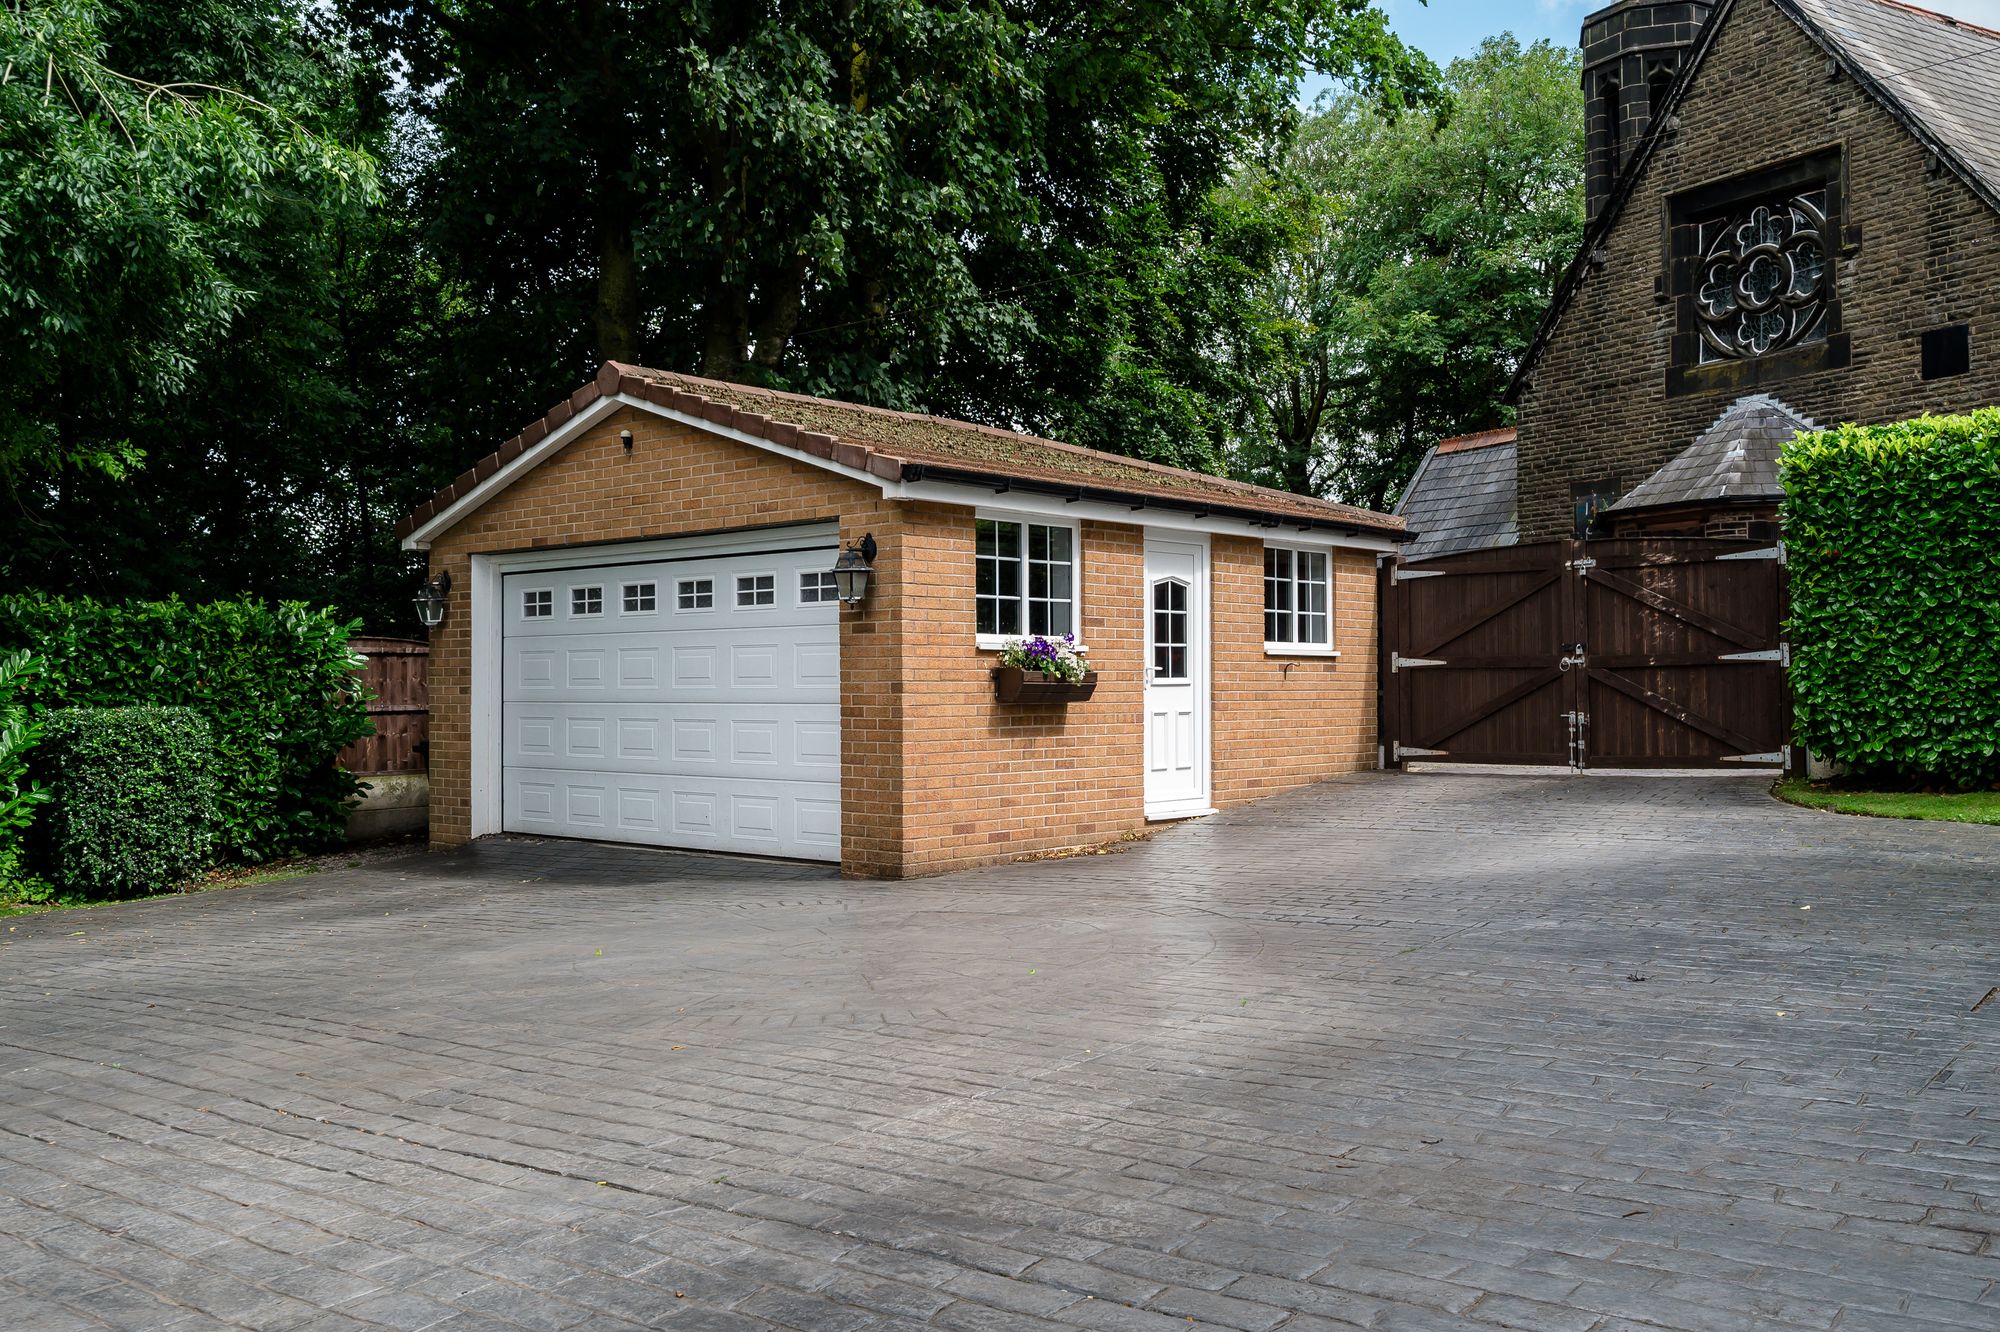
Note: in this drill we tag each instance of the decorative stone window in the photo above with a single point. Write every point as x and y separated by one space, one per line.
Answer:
1753 262
1763 278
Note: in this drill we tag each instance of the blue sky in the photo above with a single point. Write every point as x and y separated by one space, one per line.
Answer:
1445 29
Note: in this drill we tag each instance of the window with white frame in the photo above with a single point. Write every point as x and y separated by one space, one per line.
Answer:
1297 600
757 590
640 598
695 594
1025 579
586 601
816 586
538 603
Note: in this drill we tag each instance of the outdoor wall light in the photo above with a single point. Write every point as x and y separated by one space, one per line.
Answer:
431 600
851 570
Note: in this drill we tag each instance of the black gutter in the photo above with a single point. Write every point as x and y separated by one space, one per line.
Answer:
1200 508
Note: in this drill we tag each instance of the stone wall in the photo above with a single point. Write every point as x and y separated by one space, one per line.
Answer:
1924 251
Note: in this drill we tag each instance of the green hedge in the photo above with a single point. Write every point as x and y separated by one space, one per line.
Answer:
134 808
19 731
277 685
1894 540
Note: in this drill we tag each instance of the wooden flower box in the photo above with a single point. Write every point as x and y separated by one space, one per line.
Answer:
1011 684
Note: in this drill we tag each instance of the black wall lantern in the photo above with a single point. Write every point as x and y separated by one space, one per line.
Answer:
432 598
851 571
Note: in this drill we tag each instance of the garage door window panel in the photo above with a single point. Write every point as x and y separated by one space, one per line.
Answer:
538 603
755 590
817 587
586 601
1025 579
695 594
640 598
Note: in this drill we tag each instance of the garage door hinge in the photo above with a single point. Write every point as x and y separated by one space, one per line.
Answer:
1782 654
1397 661
1403 751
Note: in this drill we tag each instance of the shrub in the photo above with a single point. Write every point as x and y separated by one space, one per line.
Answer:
1894 540
276 684
19 730
134 809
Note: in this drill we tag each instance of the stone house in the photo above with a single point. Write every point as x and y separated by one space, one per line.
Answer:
1794 218
644 639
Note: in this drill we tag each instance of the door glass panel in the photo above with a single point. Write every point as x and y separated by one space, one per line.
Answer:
1170 630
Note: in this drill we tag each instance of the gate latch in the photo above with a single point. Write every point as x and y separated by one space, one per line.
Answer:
1572 656
1582 566
1579 731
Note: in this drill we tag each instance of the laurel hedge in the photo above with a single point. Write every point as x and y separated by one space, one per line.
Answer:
1893 540
275 683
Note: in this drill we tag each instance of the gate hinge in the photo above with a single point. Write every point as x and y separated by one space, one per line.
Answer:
1403 751
1398 574
1781 756
1782 654
1397 661
1582 566
1776 552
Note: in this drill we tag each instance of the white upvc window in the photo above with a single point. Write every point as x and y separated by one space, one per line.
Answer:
1298 601
1025 577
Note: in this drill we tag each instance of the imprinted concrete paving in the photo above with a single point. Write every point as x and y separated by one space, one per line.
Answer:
1443 1051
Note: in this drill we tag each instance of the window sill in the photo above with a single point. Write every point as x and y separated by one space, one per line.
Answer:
1294 650
998 642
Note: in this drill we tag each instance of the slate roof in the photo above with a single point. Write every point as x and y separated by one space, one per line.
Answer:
908 446
1942 71
1734 459
1462 496
1938 76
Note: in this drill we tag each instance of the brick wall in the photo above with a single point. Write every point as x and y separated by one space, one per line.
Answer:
1929 255
936 774
1281 722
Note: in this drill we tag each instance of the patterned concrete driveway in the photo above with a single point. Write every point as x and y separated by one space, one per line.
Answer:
1441 1051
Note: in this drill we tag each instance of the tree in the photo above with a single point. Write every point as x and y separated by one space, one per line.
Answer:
295 425
1427 248
982 208
133 184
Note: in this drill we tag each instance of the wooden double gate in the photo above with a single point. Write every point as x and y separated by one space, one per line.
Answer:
1658 652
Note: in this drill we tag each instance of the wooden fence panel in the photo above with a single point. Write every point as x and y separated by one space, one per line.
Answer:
395 677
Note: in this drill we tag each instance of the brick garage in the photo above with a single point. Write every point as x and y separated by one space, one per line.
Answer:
933 772
1899 106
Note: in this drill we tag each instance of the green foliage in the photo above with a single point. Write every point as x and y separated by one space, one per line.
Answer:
1894 540
133 206
237 303
134 809
1424 250
19 731
988 211
275 683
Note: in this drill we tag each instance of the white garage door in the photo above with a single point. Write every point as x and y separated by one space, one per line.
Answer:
690 698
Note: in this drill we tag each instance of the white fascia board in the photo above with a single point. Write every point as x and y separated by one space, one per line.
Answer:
1135 514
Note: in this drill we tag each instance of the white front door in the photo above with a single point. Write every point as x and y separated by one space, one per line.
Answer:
1177 676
